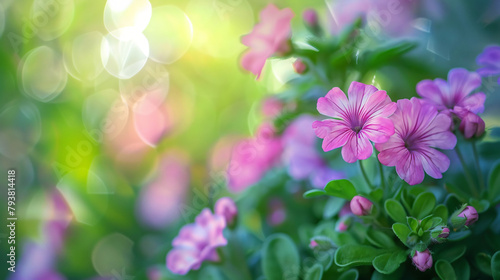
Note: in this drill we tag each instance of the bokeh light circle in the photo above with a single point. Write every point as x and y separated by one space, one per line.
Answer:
43 75
150 84
170 34
126 19
49 19
20 129
82 57
124 59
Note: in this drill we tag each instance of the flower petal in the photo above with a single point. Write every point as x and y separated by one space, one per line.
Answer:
334 104
474 103
434 162
462 82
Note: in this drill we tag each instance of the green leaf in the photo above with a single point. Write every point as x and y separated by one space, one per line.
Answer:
315 272
333 207
483 262
441 211
384 54
377 195
456 236
456 190
495 266
451 253
352 254
412 223
280 258
480 205
313 193
494 184
351 274
389 262
379 239
395 210
341 188
444 270
423 205
462 269
430 222
402 231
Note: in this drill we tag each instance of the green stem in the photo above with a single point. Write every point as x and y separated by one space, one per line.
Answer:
478 167
364 174
382 179
472 186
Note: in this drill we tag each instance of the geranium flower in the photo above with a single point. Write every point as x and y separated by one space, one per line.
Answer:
419 127
302 158
268 37
356 121
490 60
446 95
196 243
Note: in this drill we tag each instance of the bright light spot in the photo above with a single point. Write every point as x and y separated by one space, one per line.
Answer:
43 74
82 58
126 19
20 129
124 59
283 69
112 255
169 33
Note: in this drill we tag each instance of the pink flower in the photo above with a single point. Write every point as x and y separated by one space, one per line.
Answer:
268 37
446 95
419 127
226 208
196 243
277 212
299 66
310 17
271 107
470 213
251 158
361 206
422 260
356 121
445 232
471 125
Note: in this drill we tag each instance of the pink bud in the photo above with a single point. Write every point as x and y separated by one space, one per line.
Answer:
310 17
422 260
470 213
343 225
471 125
313 244
444 233
299 66
226 208
361 206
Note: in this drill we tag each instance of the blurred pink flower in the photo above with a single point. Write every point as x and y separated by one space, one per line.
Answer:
226 208
419 127
268 37
299 66
356 121
302 158
310 17
447 95
471 125
277 213
196 243
251 158
490 60
160 201
271 107
422 260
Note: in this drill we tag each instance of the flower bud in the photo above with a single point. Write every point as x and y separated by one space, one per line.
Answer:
471 125
310 17
470 214
343 224
226 208
445 232
299 66
361 206
313 244
422 260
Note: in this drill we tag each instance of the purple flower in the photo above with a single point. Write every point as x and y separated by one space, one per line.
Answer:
422 260
226 208
196 243
356 121
489 59
419 127
301 156
361 206
471 125
470 213
447 95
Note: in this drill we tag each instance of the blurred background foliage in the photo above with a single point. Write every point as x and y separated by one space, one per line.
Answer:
65 125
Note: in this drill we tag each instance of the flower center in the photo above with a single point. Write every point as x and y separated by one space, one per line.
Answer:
356 129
